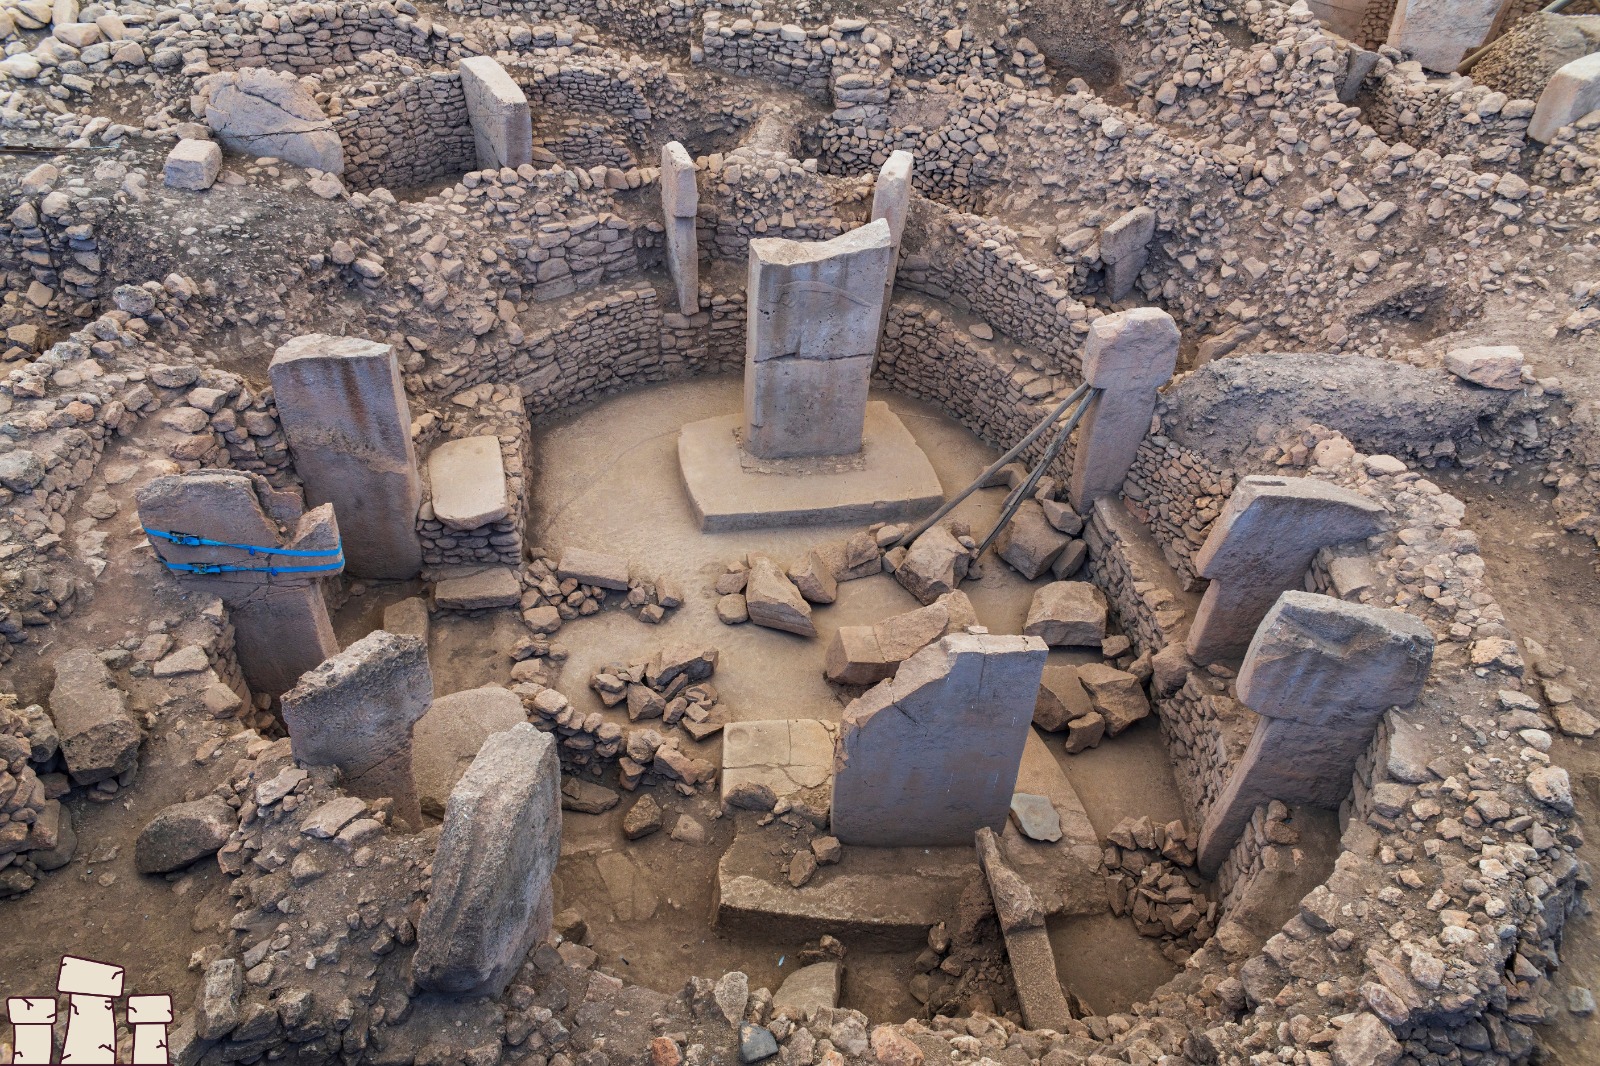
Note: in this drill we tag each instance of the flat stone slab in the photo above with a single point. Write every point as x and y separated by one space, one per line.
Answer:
495 587
1061 874
468 479
594 568
788 756
886 897
890 480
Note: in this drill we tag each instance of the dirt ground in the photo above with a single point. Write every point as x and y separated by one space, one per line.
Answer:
1547 583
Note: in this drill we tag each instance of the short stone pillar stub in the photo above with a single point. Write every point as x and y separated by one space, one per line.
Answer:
32 1022
356 711
343 406
1320 672
1260 546
502 124
680 204
815 312
1571 93
1128 356
490 899
280 621
930 756
1124 248
149 1016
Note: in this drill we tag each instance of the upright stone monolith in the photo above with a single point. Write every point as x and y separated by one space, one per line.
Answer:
680 203
91 1024
1573 92
1439 33
891 201
1320 673
490 899
931 756
497 108
1128 356
356 711
815 310
344 410
1260 546
280 620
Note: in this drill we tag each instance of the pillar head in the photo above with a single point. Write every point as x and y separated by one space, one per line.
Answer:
86 977
1131 350
31 1010
149 1010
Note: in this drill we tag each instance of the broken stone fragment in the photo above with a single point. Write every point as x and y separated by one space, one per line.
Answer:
1116 696
1029 542
642 819
183 833
773 601
192 165
934 565
1061 698
1036 817
1068 614
594 568
814 578
99 739
1492 366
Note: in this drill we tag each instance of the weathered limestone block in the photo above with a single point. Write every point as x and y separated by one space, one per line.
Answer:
1262 544
280 635
865 655
259 112
468 480
1128 355
1114 694
502 125
891 201
815 311
931 756
193 164
356 711
1029 542
1061 699
494 586
344 410
99 739
934 565
1440 33
490 899
808 990
1321 673
448 737
1570 95
680 203
408 618
774 602
1033 965
183 833
1124 247
1494 366
594 568
1068 614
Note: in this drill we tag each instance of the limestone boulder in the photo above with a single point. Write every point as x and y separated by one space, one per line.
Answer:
773 601
1068 614
1061 699
1029 542
808 990
99 739
1116 696
259 112
448 737
934 565
184 833
1494 366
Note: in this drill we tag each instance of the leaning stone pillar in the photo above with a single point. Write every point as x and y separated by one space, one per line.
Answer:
1260 546
356 711
343 407
1128 356
680 203
931 756
502 125
280 620
490 899
891 201
91 1025
815 311
32 1023
1320 673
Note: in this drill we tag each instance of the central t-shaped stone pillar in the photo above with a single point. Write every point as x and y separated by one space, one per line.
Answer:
280 621
92 1025
356 712
343 407
1128 356
815 312
1320 673
930 756
1260 546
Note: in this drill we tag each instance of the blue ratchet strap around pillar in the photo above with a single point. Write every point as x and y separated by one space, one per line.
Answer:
190 540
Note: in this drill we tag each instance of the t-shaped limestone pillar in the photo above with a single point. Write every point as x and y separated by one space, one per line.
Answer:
891 201
1260 546
32 1021
92 1026
344 410
1320 673
680 201
497 108
356 712
1128 356
280 621
150 1016
815 312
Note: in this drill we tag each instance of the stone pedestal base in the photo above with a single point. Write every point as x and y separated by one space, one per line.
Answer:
890 480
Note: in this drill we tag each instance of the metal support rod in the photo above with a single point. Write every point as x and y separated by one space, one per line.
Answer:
1014 501
1033 435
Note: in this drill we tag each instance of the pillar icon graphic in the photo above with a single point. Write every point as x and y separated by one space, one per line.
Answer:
31 1022
92 1024
149 1016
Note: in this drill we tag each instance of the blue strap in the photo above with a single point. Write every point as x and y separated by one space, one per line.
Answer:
189 540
